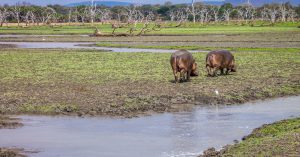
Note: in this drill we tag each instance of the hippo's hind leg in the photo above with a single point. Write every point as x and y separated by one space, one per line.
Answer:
188 77
222 71
182 75
175 76
215 71
227 71
208 69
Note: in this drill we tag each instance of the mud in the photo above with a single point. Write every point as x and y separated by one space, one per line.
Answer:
9 123
7 46
11 152
283 40
126 99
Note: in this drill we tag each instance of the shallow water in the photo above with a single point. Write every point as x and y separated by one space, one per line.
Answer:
37 35
159 135
80 45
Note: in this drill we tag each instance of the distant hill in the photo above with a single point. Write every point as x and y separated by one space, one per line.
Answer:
253 2
104 3
212 2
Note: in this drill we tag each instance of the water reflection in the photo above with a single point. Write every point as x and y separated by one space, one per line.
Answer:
176 134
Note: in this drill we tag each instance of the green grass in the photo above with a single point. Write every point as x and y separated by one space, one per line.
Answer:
277 139
188 28
47 81
98 67
189 47
47 108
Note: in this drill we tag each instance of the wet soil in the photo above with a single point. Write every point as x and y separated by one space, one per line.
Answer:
126 99
9 123
7 46
11 152
284 39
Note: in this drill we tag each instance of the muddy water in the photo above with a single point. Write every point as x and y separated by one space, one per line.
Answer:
160 135
80 45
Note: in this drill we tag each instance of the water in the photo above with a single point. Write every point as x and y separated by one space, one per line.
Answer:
160 135
37 35
81 45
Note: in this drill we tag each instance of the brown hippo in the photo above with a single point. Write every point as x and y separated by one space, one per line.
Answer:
219 60
183 62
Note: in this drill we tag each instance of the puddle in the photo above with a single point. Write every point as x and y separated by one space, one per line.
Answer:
80 45
181 134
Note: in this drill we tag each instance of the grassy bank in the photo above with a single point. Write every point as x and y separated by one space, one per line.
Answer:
188 28
195 47
277 139
98 83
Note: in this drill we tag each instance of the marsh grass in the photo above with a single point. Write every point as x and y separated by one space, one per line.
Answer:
277 139
188 28
193 47
56 80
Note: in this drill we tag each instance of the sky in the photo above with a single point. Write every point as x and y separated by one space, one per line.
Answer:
63 2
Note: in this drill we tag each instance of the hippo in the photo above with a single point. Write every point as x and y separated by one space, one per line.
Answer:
183 62
220 60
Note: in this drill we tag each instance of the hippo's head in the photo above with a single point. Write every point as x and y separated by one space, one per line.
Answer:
194 70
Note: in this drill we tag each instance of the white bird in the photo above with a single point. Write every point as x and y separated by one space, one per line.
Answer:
217 92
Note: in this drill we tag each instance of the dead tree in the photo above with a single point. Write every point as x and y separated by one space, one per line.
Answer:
82 13
182 15
291 15
105 15
273 14
29 18
148 26
193 11
215 12
92 11
70 15
203 14
241 13
283 12
47 14
16 12
3 16
264 14
226 14
172 15
250 12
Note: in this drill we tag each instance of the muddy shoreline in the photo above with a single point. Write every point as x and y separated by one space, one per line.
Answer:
10 123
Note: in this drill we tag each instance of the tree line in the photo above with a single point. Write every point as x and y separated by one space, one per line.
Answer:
119 15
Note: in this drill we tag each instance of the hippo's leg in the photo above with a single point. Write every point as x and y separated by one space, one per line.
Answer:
214 71
175 75
227 71
182 75
188 77
208 70
222 71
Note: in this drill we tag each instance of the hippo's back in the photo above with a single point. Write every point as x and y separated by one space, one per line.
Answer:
182 54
